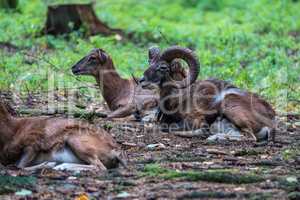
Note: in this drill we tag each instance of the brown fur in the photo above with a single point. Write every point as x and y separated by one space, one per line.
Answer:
123 96
198 104
24 139
248 111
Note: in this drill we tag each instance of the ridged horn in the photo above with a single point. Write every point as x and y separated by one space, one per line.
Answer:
189 57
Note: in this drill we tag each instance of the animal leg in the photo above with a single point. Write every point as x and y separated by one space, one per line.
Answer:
43 165
85 153
122 112
96 162
28 155
250 115
241 118
190 127
248 131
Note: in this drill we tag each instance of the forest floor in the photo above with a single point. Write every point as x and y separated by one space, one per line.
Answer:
165 166
253 44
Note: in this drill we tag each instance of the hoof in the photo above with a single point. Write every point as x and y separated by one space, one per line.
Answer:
265 134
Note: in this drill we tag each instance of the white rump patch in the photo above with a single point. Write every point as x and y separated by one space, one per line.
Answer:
220 96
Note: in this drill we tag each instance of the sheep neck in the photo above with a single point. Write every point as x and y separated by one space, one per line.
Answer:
167 91
111 85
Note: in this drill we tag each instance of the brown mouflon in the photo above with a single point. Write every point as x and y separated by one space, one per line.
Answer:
33 140
189 103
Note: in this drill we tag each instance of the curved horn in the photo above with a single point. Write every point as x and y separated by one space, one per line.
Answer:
189 57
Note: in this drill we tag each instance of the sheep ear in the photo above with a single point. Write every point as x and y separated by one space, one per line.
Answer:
102 56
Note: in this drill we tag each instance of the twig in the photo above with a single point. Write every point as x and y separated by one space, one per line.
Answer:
75 113
266 163
216 151
164 37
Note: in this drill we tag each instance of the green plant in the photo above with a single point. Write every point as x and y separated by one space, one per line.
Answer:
254 44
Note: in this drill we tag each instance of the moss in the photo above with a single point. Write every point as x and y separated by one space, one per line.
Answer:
9 184
247 152
294 195
289 184
217 176
184 157
204 194
258 196
290 153
227 195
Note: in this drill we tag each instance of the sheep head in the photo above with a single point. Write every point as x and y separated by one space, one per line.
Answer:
160 71
96 60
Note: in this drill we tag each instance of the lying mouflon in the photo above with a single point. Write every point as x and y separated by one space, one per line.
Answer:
33 140
190 103
123 96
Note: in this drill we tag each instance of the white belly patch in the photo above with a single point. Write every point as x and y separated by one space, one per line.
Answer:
220 96
64 155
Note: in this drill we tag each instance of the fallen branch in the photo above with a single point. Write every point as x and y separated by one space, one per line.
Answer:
194 133
217 152
75 113
267 163
207 194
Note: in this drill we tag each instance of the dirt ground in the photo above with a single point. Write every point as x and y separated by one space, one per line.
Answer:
154 155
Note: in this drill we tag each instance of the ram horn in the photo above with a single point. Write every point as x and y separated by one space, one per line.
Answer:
189 57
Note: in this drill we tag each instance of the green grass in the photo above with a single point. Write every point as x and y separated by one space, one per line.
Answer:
217 176
254 44
291 153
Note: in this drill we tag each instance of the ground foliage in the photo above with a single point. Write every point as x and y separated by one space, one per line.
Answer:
164 166
254 44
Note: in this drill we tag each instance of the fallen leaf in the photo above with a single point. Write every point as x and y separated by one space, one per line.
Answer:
240 189
156 146
123 195
216 151
208 163
82 197
292 179
23 192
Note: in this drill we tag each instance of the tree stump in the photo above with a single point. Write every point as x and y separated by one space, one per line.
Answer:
66 18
